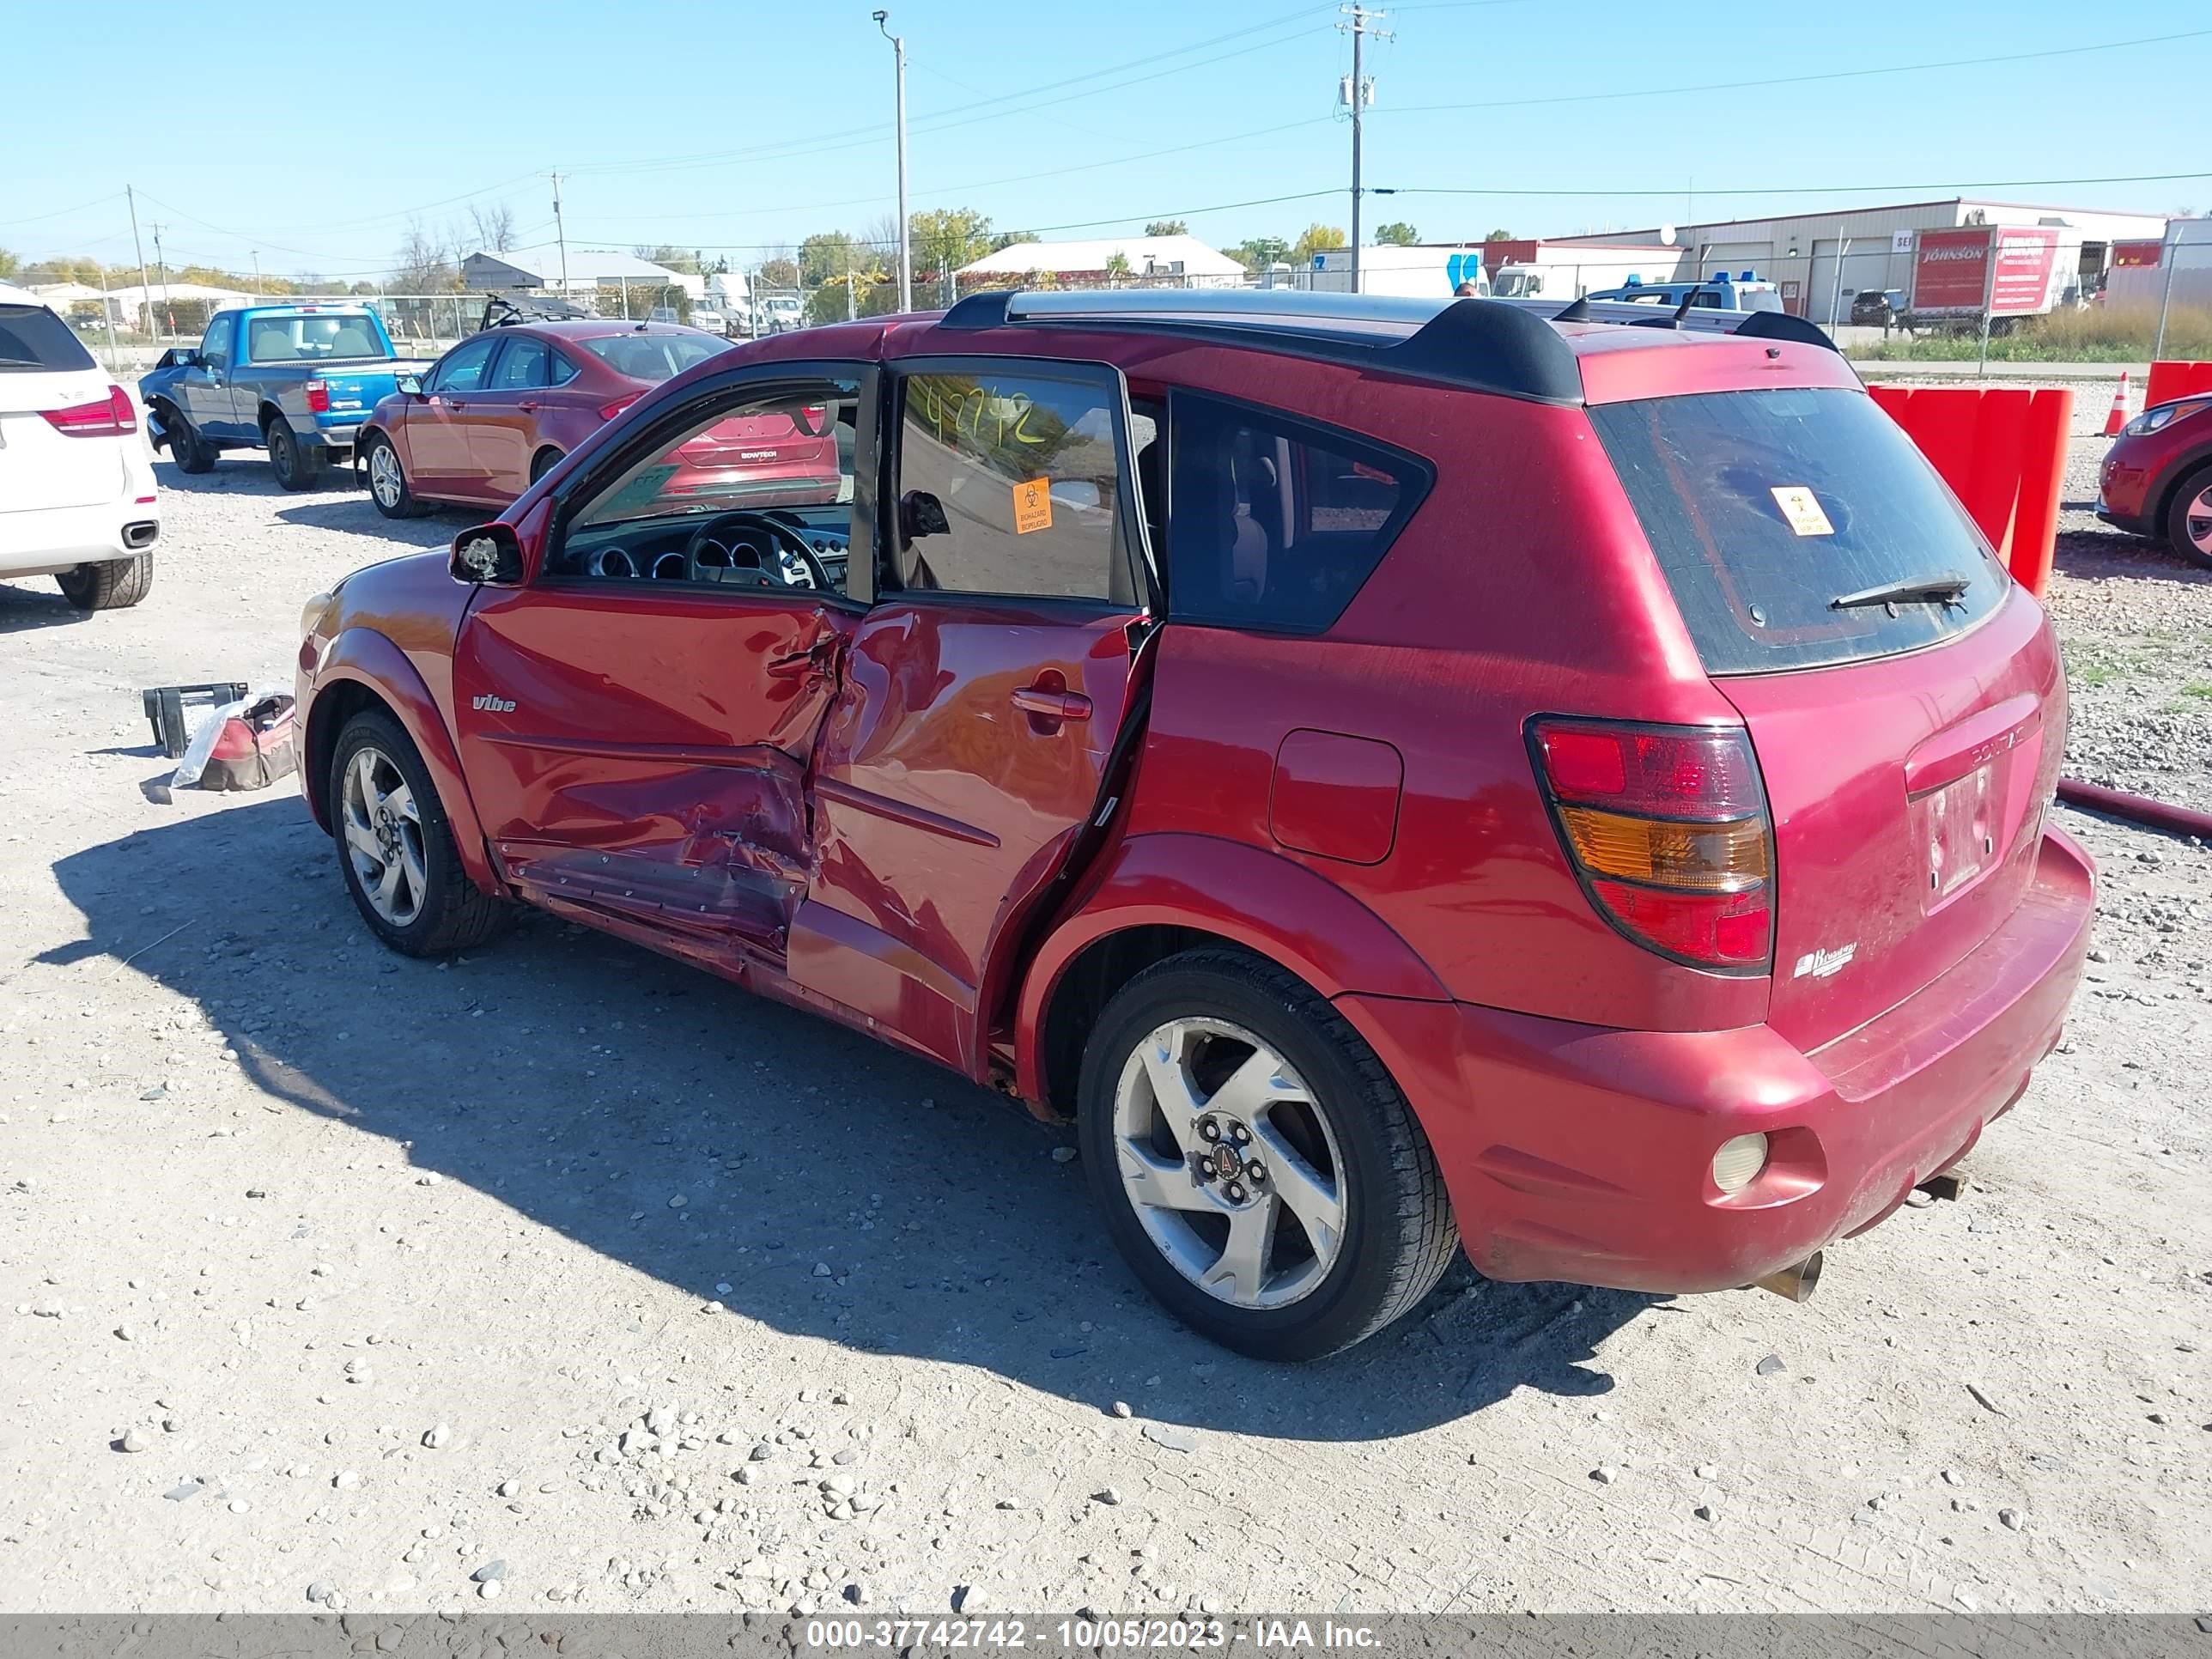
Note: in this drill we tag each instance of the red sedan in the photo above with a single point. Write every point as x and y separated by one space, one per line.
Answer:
501 409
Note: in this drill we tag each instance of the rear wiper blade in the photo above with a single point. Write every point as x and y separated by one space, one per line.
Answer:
1948 588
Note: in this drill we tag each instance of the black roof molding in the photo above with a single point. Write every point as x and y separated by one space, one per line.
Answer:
986 308
1781 325
1499 347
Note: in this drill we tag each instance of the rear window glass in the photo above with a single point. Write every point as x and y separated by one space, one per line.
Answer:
1765 508
314 339
653 358
1274 524
33 337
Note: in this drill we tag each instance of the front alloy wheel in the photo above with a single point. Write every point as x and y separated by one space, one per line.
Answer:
383 832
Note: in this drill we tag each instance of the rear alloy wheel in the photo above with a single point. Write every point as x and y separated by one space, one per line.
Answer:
396 848
1257 1167
387 480
545 462
2189 521
110 585
296 466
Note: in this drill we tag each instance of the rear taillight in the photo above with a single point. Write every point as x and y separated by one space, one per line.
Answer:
319 397
608 411
815 415
110 417
1667 827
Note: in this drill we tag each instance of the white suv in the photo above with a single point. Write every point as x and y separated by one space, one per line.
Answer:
76 489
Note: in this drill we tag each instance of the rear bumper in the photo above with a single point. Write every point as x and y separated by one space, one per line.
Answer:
1582 1153
43 541
336 438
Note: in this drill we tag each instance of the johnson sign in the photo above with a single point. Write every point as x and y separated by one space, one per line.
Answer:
1952 269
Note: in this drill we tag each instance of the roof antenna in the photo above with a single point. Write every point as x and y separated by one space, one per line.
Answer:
1683 309
1579 311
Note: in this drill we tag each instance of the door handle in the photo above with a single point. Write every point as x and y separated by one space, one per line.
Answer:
527 405
1053 703
455 402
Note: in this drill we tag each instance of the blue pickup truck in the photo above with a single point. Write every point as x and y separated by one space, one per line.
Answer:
297 381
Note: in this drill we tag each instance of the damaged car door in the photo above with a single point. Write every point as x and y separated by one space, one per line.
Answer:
983 691
636 719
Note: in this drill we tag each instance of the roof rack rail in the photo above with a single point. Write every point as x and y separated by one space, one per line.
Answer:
1477 343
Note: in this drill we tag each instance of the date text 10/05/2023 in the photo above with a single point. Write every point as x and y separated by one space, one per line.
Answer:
1089 1634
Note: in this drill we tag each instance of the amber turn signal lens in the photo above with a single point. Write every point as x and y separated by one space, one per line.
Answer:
1702 857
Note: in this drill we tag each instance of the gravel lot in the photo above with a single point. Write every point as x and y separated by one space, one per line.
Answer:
565 1275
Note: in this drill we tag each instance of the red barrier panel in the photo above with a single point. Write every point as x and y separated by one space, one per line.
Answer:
2002 450
2170 380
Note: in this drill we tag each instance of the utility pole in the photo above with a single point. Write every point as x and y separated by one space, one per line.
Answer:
161 266
1358 92
906 245
561 234
257 270
145 287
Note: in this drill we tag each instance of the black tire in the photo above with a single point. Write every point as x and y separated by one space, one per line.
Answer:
544 462
1399 1233
110 585
191 452
454 914
403 503
2177 517
296 466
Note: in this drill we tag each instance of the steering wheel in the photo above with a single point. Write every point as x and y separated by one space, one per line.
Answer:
792 563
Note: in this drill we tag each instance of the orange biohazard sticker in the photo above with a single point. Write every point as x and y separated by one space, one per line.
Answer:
1802 509
1032 506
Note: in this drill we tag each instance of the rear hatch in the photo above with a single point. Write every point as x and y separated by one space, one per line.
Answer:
44 367
1904 700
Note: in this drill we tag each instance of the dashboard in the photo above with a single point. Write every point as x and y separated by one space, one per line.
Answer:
770 547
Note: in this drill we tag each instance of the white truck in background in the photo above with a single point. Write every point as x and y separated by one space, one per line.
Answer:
1566 271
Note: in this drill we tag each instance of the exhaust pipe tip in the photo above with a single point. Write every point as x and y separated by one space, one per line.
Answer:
140 535
1795 1283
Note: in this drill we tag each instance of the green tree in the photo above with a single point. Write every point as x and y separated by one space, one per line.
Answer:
827 255
1315 239
1396 233
9 264
945 239
1499 236
1117 268
1167 227
1258 252
1006 238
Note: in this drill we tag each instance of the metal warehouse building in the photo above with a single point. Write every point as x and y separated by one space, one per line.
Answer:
1821 259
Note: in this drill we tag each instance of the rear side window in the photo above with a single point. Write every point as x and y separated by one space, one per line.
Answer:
1275 523
521 366
1766 507
33 337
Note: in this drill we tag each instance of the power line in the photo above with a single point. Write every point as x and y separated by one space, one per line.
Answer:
63 213
1801 189
925 126
1800 80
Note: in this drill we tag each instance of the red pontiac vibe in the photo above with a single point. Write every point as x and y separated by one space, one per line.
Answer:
2156 480
501 409
1396 774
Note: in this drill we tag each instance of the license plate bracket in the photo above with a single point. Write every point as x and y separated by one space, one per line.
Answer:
1957 826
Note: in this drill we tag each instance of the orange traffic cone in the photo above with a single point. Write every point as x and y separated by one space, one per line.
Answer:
2118 418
